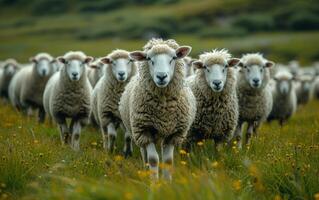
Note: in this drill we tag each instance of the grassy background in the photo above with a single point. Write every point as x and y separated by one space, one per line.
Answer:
282 163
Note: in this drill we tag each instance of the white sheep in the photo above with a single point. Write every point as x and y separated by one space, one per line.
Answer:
156 104
214 86
304 88
316 80
254 94
67 95
95 71
284 97
27 86
106 97
8 70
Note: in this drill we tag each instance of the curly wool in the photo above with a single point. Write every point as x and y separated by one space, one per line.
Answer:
151 113
217 112
64 98
108 91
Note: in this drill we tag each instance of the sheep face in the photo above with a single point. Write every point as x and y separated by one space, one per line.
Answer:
216 73
42 66
284 86
75 69
121 67
161 61
254 74
10 69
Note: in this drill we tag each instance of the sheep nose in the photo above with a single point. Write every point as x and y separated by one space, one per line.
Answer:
256 80
43 71
121 74
74 73
217 83
161 76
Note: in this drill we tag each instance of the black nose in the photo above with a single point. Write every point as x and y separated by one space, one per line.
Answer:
43 71
74 73
121 73
217 83
161 77
256 80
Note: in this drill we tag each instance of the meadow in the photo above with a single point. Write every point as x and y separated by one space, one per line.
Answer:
281 163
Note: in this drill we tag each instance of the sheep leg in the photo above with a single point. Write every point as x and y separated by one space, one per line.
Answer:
76 131
104 136
153 160
111 131
144 155
64 134
255 128
249 133
41 115
128 146
167 156
238 135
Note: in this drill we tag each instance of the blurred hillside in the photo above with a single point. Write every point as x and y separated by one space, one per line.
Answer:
80 23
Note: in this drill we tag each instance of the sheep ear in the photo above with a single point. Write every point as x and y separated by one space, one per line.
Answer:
233 62
106 60
183 51
198 64
32 59
61 60
88 59
138 55
269 64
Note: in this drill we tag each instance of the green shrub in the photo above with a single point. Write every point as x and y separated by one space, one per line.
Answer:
49 7
222 32
100 6
254 22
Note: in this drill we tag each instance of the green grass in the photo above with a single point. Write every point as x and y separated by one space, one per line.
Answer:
282 163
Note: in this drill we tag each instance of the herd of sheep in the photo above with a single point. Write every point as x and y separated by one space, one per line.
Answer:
158 94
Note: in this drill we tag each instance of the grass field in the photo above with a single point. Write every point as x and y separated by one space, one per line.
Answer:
282 163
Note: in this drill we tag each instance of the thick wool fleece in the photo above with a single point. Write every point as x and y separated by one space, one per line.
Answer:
254 104
68 99
107 93
151 113
217 112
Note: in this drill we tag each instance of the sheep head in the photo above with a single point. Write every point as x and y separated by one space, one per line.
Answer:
43 64
75 63
254 66
215 65
161 59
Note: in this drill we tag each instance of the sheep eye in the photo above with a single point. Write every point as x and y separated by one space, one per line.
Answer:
175 57
224 70
206 68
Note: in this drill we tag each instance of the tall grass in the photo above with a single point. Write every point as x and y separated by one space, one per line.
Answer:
282 163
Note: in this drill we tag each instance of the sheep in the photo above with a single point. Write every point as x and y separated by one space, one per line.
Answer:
27 86
9 68
157 104
106 97
294 67
189 69
67 95
284 97
254 94
95 72
304 88
316 80
214 87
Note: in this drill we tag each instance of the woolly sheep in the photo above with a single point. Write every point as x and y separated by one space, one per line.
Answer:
156 104
284 97
95 72
214 87
8 68
254 94
294 67
106 97
67 95
27 86
316 80
304 88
